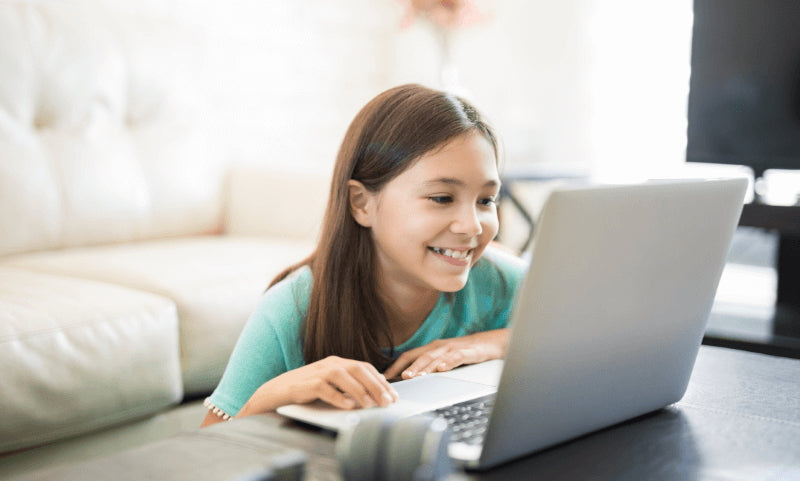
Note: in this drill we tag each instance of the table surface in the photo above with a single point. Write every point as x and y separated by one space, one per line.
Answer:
739 420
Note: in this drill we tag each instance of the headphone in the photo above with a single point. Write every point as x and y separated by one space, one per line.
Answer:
393 448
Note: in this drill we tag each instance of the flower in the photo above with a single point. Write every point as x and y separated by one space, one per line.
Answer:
445 14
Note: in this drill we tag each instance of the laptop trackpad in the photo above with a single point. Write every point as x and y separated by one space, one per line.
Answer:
437 391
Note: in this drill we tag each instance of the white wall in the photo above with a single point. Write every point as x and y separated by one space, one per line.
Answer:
522 67
598 83
639 69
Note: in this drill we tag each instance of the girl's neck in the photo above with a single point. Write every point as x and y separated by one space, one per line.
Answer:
406 309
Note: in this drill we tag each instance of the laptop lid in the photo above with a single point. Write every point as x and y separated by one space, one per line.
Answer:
607 323
612 312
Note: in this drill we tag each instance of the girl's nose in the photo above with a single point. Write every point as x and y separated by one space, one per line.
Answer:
467 223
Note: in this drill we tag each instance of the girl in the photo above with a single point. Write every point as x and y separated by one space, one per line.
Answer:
403 281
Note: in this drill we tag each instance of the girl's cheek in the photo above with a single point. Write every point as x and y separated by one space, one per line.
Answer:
491 225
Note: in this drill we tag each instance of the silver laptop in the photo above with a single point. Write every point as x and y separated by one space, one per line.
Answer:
607 323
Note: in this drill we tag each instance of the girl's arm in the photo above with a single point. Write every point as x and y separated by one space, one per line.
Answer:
343 383
446 354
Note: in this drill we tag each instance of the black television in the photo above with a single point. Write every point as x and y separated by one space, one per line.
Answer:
744 97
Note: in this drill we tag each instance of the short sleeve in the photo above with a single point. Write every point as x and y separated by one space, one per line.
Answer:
510 272
269 344
488 298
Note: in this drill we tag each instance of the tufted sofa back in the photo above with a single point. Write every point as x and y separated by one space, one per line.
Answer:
101 129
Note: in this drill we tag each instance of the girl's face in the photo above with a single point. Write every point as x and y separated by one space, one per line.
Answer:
431 223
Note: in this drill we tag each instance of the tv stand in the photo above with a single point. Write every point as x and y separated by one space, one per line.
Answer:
780 333
785 220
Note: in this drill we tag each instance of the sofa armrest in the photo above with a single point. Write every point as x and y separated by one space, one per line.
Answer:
285 202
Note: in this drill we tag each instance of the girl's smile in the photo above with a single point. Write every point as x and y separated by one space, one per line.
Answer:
461 257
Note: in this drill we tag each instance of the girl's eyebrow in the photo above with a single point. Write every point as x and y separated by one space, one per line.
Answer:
458 182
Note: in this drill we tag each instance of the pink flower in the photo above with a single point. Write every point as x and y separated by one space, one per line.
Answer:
446 14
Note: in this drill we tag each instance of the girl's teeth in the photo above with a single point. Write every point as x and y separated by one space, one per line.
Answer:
452 253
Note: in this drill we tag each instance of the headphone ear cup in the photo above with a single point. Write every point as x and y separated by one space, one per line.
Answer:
361 446
417 450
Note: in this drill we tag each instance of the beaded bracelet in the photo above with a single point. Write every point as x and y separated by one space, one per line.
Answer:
214 409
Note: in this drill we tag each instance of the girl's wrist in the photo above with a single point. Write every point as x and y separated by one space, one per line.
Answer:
495 343
266 399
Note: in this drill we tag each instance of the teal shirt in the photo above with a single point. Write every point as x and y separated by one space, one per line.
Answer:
271 342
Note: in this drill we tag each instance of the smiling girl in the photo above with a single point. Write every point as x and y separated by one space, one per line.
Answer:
403 281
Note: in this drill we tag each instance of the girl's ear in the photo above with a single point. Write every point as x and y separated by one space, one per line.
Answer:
360 203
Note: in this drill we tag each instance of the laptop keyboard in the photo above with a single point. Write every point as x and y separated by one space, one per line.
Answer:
468 420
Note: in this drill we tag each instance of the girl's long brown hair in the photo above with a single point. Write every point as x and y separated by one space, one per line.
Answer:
345 315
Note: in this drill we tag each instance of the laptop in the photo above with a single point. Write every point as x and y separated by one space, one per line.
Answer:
606 326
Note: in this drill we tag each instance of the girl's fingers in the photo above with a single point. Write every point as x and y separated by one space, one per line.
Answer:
446 354
402 363
378 387
363 383
387 391
456 358
395 369
424 364
444 361
336 398
343 380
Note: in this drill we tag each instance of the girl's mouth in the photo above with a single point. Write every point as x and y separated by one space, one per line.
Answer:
453 256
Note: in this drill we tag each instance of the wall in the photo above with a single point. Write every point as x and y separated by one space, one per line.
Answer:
600 84
639 69
597 83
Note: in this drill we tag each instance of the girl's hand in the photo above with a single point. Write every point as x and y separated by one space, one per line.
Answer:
446 354
343 383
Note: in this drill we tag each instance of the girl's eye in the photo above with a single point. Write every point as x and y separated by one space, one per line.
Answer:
488 201
441 199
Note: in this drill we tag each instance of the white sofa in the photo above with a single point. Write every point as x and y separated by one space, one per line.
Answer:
132 249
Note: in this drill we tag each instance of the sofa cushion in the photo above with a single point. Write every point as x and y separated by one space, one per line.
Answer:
215 281
77 355
100 131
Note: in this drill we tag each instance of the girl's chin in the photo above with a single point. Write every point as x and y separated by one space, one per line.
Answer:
452 285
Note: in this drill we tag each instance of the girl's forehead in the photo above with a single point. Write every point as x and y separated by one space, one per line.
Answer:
468 158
